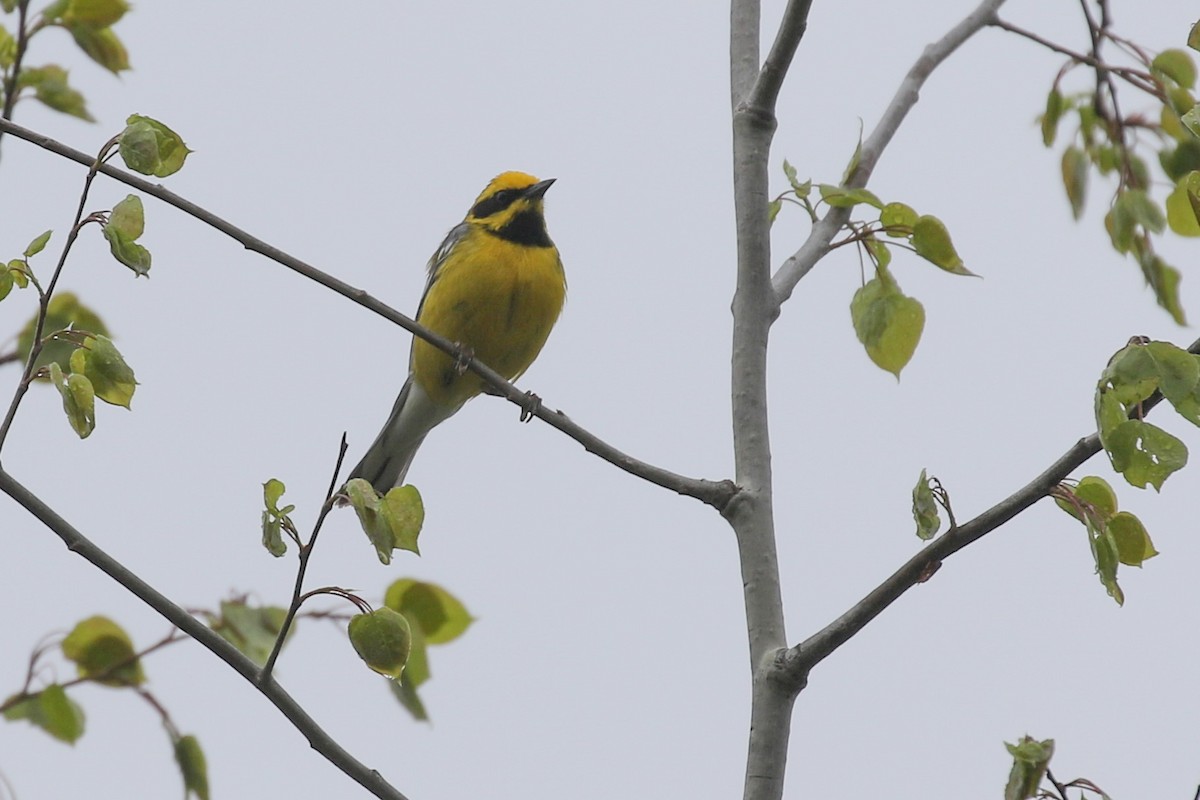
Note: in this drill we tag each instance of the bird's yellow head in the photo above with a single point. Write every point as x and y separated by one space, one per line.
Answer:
511 207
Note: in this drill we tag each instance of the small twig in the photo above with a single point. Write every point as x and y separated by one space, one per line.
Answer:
44 299
1136 77
1062 790
10 85
714 493
305 553
320 741
765 92
795 663
816 246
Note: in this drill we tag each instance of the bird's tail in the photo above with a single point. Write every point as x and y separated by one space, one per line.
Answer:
387 460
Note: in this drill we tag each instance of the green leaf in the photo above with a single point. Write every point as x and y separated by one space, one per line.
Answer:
932 242
852 167
111 378
79 401
925 509
1030 761
125 224
52 711
20 277
1132 541
103 652
51 88
1176 65
102 46
192 766
898 220
888 323
1144 453
251 629
128 217
37 245
841 197
880 253
801 188
440 616
94 13
382 639
1054 109
1194 37
1182 202
1178 370
8 49
273 518
1075 175
64 310
1104 553
6 281
390 522
151 148
406 692
404 513
1191 119
773 210
1095 495
1164 280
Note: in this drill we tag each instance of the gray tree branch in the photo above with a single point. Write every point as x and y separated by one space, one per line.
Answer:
817 245
796 663
715 493
320 741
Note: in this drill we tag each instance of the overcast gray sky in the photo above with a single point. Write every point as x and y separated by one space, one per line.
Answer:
609 656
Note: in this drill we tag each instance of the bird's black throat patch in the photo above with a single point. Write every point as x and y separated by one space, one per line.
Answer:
527 228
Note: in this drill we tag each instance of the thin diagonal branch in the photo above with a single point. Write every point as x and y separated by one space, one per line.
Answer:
320 741
713 493
799 660
818 243
770 78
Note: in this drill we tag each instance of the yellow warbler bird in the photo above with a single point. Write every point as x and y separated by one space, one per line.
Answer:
496 285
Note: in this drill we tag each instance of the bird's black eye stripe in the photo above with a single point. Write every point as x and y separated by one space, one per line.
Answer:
495 204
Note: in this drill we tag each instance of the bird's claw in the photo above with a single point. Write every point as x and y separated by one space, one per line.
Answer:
462 358
530 404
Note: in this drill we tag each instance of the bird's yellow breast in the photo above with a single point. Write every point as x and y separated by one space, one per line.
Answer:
494 296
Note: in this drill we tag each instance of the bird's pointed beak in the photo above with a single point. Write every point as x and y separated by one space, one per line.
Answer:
538 189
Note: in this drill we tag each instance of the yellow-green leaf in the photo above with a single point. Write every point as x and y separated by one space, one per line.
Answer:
1030 760
103 652
382 639
1075 175
151 148
925 509
52 89
1054 109
51 710
78 398
404 514
843 197
931 240
65 310
94 13
192 766
1132 540
106 369
898 220
251 629
1176 65
102 46
439 614
888 323
37 245
1182 202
